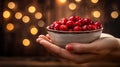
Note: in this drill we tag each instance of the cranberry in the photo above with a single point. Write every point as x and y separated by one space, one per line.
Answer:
63 28
77 23
55 22
70 24
52 26
77 28
87 21
98 25
77 18
81 21
56 26
85 27
72 18
92 27
63 20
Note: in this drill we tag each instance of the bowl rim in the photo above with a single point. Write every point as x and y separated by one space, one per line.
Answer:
75 32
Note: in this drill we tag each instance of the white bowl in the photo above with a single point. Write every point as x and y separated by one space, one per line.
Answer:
62 38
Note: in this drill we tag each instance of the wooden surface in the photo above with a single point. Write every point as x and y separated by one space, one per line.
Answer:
33 62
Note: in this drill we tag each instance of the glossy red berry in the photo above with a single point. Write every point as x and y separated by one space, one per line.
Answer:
92 27
77 28
98 25
63 20
72 18
85 27
78 23
77 18
86 21
70 24
63 28
52 26
56 26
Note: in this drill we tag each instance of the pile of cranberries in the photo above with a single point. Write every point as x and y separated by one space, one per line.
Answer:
75 23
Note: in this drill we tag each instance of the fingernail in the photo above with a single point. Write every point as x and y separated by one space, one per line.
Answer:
69 47
37 40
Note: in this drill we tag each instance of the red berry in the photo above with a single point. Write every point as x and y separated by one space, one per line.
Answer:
87 21
55 22
77 28
52 26
77 23
56 26
85 28
63 28
92 27
98 25
70 24
72 18
77 18
63 20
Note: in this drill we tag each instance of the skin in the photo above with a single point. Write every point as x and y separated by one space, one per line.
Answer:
106 48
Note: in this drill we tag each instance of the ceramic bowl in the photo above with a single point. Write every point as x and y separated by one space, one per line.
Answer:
61 38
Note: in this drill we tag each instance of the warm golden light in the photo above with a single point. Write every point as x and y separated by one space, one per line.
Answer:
38 15
10 26
6 14
78 1
41 23
114 14
31 9
26 19
72 6
94 1
26 42
96 14
62 1
18 15
33 30
11 5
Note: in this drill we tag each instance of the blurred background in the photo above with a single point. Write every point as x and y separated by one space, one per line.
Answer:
22 21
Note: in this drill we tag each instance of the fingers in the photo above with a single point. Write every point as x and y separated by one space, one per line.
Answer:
79 48
56 49
44 37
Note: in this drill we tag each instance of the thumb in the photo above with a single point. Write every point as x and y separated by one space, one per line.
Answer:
79 48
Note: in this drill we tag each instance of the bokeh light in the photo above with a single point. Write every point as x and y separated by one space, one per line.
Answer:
11 5
10 26
26 42
41 23
6 14
33 30
60 2
18 15
94 1
114 14
31 9
26 19
72 6
96 14
38 15
78 1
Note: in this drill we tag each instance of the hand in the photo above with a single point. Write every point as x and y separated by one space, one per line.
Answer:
82 53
